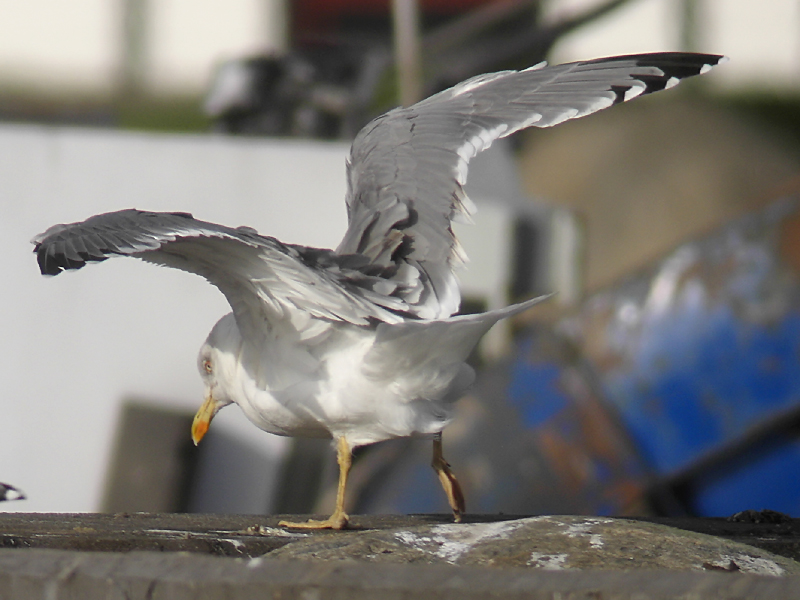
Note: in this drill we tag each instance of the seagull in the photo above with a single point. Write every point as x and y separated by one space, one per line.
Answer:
362 343
9 492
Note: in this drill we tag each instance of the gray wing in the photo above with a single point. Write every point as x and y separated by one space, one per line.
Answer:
262 279
407 168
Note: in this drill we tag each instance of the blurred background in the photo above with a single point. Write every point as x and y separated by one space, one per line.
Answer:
664 379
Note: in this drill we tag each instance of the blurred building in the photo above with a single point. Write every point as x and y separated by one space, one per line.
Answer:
93 47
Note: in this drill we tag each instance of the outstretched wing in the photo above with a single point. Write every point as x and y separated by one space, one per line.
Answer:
263 280
407 168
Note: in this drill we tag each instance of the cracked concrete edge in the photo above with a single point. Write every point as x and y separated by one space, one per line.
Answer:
68 575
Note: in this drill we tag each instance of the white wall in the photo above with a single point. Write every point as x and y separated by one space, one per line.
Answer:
190 36
59 44
77 44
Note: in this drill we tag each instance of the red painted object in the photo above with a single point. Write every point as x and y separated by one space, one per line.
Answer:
329 16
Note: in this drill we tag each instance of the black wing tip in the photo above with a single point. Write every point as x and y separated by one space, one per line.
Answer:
53 263
128 232
682 64
667 59
9 492
674 67
55 251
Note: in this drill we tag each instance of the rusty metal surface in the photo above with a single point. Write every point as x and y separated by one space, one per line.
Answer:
592 459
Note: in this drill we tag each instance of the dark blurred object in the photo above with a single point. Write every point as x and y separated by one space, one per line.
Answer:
780 112
155 467
460 38
321 91
9 492
153 462
300 478
504 34
760 516
328 85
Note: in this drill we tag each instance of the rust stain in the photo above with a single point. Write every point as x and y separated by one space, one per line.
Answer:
583 446
789 243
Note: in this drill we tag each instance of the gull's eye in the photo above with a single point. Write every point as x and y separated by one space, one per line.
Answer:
207 366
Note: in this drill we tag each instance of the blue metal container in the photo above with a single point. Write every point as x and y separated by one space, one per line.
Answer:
699 359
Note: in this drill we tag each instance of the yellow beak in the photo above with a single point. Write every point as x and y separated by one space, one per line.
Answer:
203 419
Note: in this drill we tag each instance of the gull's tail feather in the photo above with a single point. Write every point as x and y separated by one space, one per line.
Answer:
437 348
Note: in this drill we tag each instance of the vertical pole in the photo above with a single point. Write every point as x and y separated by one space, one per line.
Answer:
691 40
689 29
134 51
276 23
566 257
405 14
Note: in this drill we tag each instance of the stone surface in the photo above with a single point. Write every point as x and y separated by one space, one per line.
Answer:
251 535
243 557
26 574
550 543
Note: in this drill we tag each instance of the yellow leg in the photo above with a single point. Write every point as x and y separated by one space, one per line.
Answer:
339 518
449 482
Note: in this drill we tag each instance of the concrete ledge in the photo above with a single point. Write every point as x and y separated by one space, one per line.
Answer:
253 535
176 556
69 575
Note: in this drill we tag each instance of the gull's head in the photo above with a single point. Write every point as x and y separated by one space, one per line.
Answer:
218 365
